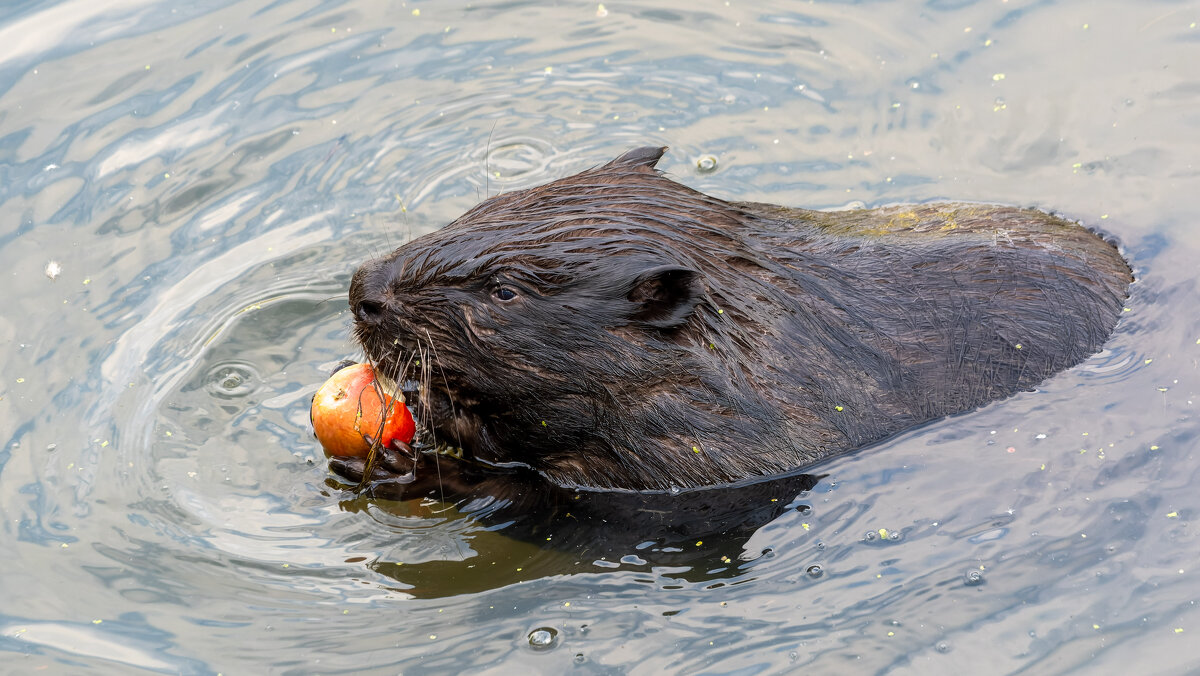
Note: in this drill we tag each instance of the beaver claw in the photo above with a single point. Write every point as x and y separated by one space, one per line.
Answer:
345 363
398 457
391 464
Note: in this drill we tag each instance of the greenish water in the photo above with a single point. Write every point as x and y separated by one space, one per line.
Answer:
185 191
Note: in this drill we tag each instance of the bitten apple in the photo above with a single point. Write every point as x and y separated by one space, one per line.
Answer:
349 407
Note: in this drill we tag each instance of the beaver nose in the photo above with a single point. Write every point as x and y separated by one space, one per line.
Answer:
370 311
370 292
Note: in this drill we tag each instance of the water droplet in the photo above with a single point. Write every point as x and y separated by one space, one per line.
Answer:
543 638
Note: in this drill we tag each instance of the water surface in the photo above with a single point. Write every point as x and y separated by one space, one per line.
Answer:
185 191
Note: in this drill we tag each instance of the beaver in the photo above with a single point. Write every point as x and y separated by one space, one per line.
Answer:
618 330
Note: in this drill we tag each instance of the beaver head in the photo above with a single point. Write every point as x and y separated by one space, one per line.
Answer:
566 327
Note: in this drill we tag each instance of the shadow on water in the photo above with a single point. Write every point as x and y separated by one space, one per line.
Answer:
538 531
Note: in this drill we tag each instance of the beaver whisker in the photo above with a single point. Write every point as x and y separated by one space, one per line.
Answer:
449 391
415 369
429 419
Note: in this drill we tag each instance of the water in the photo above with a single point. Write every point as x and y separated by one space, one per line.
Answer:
201 181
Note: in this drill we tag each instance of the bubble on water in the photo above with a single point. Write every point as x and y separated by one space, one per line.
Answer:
942 647
706 164
543 638
232 380
814 571
973 578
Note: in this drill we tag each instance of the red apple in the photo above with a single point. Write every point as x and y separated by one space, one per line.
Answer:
349 407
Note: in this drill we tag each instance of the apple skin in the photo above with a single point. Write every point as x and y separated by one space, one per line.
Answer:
348 408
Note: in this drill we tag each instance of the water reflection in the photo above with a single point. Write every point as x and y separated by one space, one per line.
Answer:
525 530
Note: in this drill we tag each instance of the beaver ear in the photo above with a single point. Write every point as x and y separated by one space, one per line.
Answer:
640 158
664 297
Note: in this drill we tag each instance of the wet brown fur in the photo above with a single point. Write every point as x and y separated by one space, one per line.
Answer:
658 337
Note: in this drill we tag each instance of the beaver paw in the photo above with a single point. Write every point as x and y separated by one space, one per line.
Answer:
398 472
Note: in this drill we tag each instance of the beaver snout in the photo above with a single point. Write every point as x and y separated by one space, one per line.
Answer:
370 305
370 296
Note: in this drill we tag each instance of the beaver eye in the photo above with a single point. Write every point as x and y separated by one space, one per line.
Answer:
503 294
